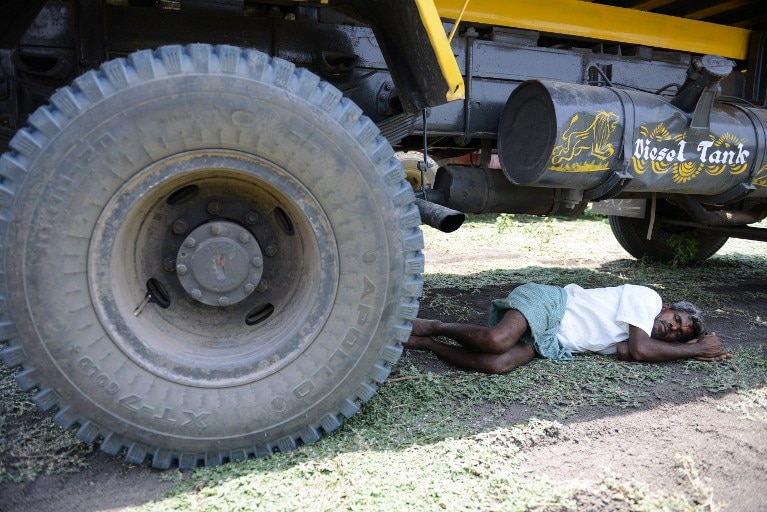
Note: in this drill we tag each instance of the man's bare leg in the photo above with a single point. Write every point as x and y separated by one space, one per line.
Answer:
471 360
498 339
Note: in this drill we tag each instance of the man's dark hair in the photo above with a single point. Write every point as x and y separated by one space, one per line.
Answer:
696 318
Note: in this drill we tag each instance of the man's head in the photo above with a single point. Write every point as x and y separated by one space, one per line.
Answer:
680 321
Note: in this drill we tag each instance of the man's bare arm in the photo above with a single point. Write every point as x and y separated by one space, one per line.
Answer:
641 347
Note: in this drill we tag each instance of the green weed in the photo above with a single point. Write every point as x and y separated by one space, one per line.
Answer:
30 443
685 247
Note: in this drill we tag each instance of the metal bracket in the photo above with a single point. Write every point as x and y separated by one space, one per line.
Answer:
383 99
609 188
89 22
736 193
618 180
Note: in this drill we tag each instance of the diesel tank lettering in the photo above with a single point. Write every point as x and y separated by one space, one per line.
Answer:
646 149
721 157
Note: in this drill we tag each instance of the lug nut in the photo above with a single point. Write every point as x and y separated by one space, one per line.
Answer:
196 294
251 218
216 229
214 208
271 249
189 242
224 301
262 286
169 264
244 238
249 287
179 227
258 261
181 269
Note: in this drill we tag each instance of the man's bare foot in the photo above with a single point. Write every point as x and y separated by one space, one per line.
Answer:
424 327
417 342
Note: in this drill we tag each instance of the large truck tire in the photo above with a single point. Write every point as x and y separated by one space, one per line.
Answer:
631 234
207 255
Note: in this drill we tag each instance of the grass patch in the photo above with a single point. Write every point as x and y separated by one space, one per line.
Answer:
440 441
450 306
549 389
30 443
475 473
747 369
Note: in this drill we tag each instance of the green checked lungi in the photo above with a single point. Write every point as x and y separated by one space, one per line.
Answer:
543 306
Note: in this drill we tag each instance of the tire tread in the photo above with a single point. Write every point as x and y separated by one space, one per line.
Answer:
630 233
144 66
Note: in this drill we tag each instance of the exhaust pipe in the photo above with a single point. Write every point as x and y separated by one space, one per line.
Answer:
720 218
439 217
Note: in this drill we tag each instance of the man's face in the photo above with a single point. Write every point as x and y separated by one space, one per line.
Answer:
672 325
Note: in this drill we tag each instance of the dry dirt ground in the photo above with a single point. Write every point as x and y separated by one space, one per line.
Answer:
722 458
679 443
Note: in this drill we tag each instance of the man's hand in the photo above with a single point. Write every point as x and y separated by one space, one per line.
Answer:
641 347
711 348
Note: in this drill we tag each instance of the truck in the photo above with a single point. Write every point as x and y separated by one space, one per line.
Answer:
209 250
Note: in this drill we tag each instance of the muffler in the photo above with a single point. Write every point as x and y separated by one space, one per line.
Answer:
483 190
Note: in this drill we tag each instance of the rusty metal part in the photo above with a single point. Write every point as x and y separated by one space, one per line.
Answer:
720 217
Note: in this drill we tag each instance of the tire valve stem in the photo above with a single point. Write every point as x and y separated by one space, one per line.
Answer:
140 308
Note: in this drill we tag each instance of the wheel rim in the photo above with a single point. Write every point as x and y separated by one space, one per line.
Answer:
159 234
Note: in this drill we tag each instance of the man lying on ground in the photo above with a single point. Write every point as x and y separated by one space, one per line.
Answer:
553 322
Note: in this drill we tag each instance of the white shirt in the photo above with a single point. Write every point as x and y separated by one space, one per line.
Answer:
596 320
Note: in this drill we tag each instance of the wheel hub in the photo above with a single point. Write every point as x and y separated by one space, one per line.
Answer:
219 263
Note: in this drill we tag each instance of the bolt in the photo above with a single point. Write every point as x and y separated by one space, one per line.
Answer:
216 229
271 249
169 264
249 287
214 208
179 227
189 242
196 294
251 218
388 86
244 238
257 261
224 301
181 269
262 286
